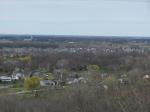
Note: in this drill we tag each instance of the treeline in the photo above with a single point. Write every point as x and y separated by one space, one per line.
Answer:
35 44
78 61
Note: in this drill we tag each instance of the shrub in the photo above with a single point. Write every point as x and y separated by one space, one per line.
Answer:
31 83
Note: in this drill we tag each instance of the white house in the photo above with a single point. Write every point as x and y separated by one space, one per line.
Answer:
146 77
76 80
17 76
5 79
46 83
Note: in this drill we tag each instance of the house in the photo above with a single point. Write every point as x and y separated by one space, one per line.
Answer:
123 76
105 87
29 39
35 73
146 77
72 81
123 81
76 80
82 80
38 73
47 83
17 76
5 79
103 75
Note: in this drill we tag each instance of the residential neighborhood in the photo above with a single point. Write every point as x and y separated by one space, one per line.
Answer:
74 72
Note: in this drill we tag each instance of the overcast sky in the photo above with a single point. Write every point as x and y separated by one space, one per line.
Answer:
75 17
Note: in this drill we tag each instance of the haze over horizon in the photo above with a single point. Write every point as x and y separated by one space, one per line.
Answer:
75 17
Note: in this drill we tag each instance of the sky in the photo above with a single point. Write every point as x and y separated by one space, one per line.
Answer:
75 17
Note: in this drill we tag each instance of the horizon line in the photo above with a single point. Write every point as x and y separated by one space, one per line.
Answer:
63 35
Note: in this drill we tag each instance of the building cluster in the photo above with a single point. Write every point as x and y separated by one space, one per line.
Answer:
46 79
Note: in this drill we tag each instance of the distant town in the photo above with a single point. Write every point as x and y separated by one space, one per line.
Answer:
106 69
